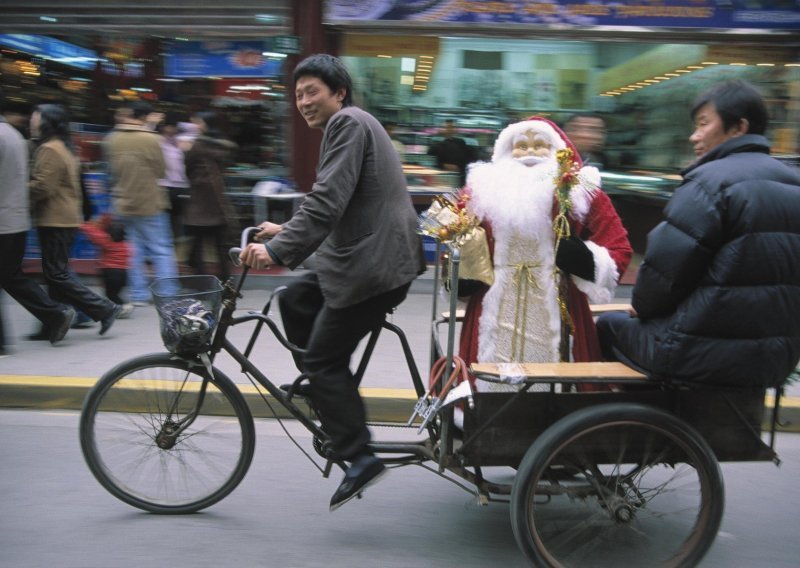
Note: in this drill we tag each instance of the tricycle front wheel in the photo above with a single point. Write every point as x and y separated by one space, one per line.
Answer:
617 485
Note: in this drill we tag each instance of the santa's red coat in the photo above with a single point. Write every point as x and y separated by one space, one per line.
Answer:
603 227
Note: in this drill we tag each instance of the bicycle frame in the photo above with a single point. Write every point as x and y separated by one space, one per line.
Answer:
220 343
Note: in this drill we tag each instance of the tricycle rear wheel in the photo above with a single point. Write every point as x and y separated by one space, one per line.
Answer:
617 485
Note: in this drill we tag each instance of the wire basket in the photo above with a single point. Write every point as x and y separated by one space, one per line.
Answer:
188 310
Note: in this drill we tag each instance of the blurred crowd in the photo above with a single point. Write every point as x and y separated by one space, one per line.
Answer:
166 175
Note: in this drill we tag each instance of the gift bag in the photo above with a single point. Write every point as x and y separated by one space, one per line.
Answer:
476 263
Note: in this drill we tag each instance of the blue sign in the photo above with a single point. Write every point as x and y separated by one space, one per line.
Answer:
220 59
765 14
52 49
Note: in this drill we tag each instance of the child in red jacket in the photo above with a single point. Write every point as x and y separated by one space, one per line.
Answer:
108 234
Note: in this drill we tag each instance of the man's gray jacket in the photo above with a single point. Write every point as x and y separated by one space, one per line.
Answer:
358 216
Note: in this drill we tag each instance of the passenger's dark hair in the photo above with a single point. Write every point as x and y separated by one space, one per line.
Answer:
734 100
54 123
140 109
116 230
330 70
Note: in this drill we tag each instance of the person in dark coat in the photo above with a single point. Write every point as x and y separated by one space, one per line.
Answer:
209 213
451 152
717 297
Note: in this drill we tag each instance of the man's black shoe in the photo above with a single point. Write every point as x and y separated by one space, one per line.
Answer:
60 329
108 321
366 470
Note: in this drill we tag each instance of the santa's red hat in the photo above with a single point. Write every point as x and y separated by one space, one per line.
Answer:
505 141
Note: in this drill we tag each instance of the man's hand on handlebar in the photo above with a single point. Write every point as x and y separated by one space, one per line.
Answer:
268 230
255 255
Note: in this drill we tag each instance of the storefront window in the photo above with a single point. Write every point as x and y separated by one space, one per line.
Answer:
643 90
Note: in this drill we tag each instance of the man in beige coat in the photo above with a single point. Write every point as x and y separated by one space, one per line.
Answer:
136 163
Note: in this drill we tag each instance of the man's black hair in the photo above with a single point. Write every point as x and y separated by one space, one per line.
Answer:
14 106
330 70
140 109
734 100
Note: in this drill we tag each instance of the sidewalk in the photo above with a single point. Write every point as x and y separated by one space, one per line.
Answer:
36 374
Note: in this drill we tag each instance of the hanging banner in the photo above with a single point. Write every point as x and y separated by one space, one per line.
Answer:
220 59
766 14
51 49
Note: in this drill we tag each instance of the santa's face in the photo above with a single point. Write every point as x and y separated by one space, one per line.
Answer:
531 148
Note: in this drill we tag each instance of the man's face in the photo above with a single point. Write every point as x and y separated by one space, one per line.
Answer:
531 148
588 134
316 102
709 131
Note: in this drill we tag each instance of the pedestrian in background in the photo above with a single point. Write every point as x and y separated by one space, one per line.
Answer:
14 225
209 214
56 204
174 182
108 235
136 163
359 219
588 134
451 152
717 297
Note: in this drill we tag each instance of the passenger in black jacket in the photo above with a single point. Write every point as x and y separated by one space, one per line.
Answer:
717 297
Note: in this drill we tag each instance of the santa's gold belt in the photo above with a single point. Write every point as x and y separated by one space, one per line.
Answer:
524 279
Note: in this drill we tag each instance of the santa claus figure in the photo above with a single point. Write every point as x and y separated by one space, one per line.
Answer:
556 244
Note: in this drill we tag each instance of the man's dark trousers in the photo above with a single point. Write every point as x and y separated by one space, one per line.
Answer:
330 336
21 287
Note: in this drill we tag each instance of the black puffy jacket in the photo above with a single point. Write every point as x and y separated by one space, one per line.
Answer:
718 292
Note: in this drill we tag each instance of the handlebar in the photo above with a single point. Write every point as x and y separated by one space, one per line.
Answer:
247 237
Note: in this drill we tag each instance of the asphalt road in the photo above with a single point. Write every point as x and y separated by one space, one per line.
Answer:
54 513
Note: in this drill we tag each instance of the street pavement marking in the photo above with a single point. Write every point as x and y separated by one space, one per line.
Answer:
247 388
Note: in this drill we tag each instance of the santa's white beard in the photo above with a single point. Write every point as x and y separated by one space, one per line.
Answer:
511 194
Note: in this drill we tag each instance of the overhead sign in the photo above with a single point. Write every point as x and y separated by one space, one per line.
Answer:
765 14
52 50
187 59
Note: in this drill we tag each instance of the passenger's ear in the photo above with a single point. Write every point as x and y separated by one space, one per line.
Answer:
743 127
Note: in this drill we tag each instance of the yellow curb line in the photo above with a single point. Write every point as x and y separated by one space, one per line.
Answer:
246 388
42 381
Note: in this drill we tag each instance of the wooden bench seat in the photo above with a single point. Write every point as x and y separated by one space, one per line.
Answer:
563 372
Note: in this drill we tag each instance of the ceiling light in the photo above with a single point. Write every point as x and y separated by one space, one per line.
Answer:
268 19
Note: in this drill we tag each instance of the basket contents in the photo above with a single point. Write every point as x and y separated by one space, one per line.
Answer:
188 315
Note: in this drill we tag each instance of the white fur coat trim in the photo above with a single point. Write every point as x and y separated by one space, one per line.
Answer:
601 291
